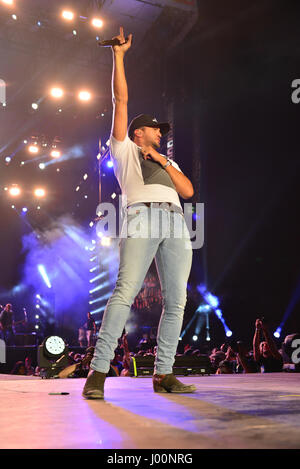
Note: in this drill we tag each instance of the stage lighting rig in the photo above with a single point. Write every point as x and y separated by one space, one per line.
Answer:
14 191
39 192
52 356
67 15
56 92
84 95
55 153
97 23
34 149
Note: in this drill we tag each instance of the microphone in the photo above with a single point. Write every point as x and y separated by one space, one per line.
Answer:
111 42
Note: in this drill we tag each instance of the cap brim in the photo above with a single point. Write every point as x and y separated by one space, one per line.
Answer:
163 126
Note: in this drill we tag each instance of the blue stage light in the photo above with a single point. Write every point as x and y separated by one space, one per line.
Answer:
44 275
277 332
102 274
101 298
211 299
99 287
99 310
201 288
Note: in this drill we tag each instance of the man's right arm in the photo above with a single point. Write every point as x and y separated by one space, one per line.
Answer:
119 88
256 340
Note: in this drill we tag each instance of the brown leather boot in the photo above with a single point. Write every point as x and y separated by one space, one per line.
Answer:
169 383
94 385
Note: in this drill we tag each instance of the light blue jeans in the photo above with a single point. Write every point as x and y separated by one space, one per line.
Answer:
151 233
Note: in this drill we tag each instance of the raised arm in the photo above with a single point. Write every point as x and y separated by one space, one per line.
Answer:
270 342
256 340
119 88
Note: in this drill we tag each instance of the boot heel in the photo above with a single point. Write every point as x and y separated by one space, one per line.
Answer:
169 383
158 388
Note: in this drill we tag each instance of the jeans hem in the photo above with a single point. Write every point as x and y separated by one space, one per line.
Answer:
162 372
93 367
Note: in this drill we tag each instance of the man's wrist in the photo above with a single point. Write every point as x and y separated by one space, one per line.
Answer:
118 53
166 163
157 156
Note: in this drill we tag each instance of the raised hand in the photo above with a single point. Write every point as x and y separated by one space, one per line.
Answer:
147 152
258 324
124 45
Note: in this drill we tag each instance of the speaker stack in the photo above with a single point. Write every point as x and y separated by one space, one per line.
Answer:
25 339
183 366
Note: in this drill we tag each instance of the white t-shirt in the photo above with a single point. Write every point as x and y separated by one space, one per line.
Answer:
141 180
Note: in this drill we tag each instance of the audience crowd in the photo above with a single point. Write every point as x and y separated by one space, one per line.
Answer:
231 357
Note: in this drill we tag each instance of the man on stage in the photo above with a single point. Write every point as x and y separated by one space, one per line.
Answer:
6 325
151 184
90 330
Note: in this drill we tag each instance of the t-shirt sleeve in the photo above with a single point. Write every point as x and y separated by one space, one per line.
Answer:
176 166
119 149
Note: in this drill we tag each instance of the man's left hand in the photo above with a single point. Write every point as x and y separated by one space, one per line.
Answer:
150 153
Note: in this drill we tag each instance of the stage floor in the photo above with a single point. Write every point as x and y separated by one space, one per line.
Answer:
226 411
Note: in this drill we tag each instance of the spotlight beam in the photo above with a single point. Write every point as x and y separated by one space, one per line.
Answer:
44 275
101 298
99 287
98 276
99 310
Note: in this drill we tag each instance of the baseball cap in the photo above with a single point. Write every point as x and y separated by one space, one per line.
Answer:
144 120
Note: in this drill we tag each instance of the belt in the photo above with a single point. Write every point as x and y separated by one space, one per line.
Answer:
166 205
